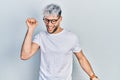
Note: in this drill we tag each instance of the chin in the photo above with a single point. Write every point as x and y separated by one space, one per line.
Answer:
50 32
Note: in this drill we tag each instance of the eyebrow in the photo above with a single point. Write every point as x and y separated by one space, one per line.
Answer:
49 19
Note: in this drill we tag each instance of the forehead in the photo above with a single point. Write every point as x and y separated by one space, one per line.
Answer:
51 17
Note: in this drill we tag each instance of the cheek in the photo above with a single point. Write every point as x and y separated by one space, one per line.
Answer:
57 24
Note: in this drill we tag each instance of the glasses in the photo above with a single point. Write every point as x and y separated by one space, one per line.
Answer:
53 21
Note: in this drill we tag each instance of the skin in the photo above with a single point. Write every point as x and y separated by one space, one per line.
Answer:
53 28
29 48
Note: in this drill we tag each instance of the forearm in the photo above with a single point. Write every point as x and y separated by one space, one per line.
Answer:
26 47
86 66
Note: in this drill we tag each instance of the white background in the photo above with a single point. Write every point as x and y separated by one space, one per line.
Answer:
96 22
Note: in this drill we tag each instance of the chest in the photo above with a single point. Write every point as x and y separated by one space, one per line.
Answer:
54 45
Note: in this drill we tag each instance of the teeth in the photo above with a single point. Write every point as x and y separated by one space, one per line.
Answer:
50 28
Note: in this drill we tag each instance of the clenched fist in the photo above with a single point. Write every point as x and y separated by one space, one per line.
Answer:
31 23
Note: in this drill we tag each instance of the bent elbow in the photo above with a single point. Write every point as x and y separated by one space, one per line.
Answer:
24 57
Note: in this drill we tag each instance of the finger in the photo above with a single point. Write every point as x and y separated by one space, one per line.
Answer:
32 21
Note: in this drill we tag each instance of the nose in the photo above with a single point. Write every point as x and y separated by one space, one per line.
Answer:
49 23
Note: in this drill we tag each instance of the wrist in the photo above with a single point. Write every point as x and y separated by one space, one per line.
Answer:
30 30
93 76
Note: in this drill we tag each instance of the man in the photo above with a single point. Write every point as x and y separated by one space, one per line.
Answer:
56 45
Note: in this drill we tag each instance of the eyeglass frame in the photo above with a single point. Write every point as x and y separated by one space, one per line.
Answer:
52 20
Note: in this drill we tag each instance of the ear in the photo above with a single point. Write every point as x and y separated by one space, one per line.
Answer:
60 18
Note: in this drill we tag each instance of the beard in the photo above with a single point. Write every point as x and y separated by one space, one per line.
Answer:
54 30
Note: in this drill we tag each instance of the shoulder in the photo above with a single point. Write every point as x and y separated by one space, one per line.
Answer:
71 34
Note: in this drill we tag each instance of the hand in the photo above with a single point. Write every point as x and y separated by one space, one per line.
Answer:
31 23
95 78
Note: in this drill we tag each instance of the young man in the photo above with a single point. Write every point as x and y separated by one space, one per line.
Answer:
56 45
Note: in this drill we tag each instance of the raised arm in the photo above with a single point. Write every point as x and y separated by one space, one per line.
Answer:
28 47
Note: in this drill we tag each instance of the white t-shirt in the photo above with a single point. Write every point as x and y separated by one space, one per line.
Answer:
56 54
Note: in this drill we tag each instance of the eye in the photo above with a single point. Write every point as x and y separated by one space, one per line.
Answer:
54 20
46 19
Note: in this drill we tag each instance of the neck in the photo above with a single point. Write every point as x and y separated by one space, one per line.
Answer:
58 30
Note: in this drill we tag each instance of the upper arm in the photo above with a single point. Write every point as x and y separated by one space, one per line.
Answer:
34 48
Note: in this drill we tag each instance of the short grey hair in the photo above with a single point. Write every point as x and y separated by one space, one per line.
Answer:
52 9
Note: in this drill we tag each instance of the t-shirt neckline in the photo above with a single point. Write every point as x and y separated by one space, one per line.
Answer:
56 33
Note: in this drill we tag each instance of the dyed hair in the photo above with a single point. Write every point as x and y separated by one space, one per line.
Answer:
52 9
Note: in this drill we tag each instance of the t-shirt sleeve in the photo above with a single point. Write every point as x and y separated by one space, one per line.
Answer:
76 47
36 39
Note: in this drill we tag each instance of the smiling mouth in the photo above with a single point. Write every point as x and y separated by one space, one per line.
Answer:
50 28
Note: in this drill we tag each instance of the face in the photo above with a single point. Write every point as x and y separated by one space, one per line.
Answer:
52 23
